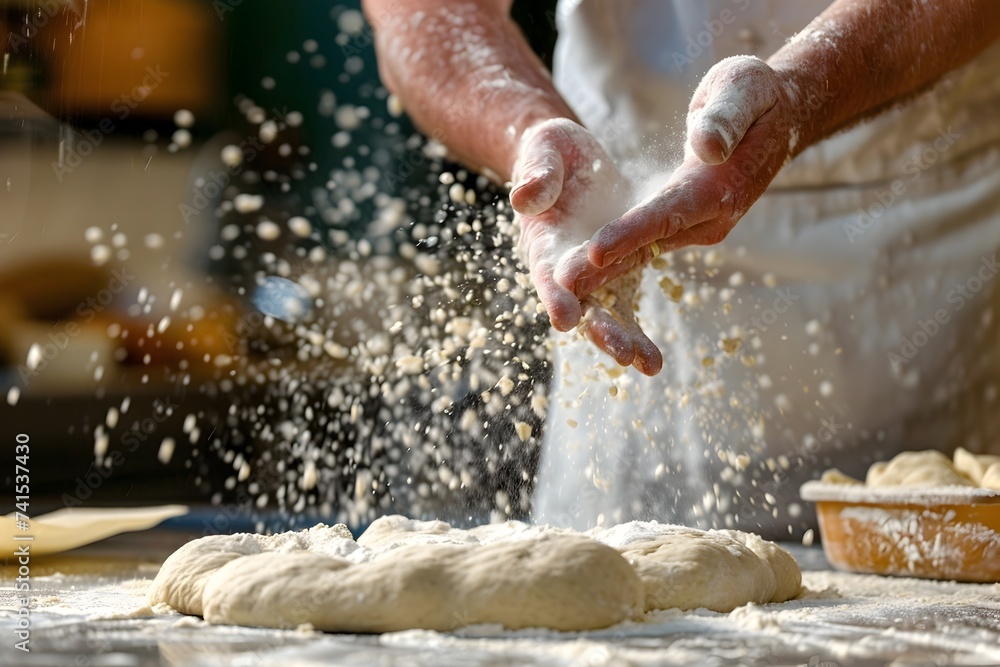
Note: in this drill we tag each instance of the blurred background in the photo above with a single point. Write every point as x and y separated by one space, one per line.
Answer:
147 148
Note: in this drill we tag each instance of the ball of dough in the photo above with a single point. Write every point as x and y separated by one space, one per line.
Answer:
928 468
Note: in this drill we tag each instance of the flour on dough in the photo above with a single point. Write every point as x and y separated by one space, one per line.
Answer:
405 574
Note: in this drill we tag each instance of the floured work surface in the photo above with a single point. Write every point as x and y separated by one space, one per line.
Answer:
841 617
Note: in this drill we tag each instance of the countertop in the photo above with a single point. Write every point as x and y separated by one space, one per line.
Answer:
89 609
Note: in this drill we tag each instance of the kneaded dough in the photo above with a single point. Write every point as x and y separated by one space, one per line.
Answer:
561 582
406 574
975 466
928 468
719 570
181 580
834 476
991 478
787 575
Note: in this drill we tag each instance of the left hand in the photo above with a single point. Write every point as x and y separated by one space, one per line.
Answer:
741 128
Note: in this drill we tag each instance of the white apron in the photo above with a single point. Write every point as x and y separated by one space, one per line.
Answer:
858 292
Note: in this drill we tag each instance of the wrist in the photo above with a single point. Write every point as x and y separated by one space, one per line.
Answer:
805 84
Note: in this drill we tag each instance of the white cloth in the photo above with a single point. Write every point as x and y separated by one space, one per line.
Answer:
851 253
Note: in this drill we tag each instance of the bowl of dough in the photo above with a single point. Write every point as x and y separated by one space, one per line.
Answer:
919 515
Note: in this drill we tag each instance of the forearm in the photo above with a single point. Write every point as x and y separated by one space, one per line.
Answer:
465 75
861 56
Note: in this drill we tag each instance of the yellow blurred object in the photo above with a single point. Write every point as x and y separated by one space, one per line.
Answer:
951 533
156 56
73 527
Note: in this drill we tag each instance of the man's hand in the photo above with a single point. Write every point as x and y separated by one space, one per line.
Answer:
740 133
741 130
565 189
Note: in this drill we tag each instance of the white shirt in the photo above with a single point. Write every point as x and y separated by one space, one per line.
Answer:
870 246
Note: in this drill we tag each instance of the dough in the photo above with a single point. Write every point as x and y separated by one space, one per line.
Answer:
717 570
402 574
991 478
787 575
917 470
181 580
928 469
974 466
834 476
562 582
405 574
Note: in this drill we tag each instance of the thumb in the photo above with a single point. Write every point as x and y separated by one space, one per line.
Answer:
731 97
538 183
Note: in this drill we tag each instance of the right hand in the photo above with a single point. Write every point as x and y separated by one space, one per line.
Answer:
565 189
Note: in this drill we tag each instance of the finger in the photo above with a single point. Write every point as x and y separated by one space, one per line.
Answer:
622 338
562 306
707 233
607 333
684 202
579 275
539 183
731 97
648 358
575 267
